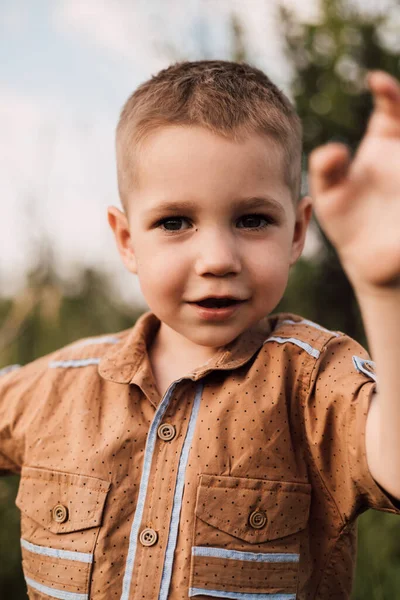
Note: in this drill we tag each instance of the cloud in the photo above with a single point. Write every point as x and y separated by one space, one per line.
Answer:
110 25
20 121
56 180
152 34
14 18
140 32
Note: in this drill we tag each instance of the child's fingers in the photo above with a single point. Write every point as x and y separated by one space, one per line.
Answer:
328 166
386 91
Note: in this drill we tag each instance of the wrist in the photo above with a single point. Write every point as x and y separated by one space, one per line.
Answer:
385 293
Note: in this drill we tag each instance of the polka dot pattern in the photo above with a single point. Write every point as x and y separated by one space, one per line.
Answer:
280 432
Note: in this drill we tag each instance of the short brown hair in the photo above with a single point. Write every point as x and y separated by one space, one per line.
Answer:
228 98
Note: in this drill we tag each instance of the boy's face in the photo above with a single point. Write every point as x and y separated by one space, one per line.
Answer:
233 230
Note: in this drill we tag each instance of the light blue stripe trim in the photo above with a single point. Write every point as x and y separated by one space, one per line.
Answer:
311 324
148 457
66 364
8 369
251 556
53 592
55 553
239 595
177 503
107 339
309 349
359 365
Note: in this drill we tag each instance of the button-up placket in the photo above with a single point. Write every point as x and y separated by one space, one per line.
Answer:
160 496
155 525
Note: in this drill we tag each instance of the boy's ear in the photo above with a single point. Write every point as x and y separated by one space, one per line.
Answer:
303 216
119 224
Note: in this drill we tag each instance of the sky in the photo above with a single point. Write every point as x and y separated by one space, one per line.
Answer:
67 68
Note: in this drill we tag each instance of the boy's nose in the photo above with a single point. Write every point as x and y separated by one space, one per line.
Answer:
218 255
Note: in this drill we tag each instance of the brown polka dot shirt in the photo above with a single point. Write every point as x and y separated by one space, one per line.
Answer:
243 481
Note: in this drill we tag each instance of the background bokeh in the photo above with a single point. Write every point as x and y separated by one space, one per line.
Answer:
67 68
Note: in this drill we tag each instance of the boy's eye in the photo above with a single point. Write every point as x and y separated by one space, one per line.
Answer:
255 221
249 222
172 224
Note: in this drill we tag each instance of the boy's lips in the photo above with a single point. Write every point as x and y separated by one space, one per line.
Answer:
218 298
217 302
208 309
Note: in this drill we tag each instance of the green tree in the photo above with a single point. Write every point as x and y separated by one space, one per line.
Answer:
330 59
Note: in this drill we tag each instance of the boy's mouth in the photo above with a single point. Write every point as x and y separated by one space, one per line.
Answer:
217 302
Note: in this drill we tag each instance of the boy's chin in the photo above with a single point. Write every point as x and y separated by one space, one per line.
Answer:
216 339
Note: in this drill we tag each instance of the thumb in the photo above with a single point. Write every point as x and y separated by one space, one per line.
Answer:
328 167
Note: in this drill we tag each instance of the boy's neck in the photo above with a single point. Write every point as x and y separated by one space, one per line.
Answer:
170 361
168 346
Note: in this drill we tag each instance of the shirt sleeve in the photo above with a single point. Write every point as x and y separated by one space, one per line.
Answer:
18 386
341 387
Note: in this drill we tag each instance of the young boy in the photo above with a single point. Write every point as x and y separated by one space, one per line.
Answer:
214 451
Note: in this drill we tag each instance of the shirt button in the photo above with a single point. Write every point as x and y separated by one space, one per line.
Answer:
60 513
148 537
166 432
257 519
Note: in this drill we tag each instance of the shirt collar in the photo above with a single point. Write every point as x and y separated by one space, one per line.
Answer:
128 362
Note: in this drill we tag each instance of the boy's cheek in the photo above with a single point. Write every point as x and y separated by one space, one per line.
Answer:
160 279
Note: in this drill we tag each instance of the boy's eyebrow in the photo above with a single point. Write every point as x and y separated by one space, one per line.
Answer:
244 203
258 202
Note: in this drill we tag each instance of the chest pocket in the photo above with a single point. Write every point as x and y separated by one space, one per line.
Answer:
247 537
61 515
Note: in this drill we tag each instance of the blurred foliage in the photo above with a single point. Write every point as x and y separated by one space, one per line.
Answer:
329 59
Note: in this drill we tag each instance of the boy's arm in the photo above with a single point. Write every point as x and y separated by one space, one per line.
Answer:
21 393
381 317
358 205
9 449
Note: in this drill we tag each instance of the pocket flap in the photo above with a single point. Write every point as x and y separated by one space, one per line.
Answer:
230 503
61 502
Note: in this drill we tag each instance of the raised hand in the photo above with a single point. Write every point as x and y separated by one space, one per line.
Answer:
357 202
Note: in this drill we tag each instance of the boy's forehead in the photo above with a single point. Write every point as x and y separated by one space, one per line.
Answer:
177 161
172 145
